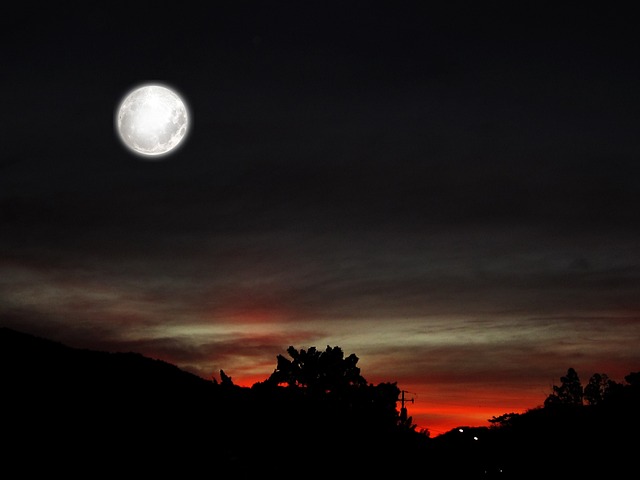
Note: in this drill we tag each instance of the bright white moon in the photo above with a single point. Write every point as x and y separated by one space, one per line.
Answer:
152 120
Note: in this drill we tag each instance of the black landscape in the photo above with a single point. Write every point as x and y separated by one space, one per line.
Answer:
80 412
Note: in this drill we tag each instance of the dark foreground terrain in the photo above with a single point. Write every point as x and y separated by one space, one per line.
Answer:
86 413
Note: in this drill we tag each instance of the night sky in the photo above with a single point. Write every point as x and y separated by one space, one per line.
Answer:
450 193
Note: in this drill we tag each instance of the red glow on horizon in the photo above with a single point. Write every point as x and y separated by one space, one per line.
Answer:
246 381
438 417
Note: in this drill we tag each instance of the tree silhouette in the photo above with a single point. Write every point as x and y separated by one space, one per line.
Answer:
570 392
335 381
323 391
599 388
633 379
319 373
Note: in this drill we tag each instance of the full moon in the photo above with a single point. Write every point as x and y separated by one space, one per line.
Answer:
152 120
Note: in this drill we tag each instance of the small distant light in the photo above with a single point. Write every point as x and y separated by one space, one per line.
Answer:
460 430
475 438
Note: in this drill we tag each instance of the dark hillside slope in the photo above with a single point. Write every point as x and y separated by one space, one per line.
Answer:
46 362
73 407
68 407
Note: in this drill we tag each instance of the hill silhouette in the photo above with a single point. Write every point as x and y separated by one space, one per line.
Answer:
66 408
125 412
83 412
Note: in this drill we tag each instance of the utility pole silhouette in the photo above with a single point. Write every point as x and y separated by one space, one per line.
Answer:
403 408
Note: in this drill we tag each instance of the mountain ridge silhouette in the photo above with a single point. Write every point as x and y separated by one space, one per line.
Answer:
30 351
63 399
81 411
71 407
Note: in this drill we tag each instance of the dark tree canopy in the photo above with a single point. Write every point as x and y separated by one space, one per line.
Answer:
323 380
570 392
599 388
318 372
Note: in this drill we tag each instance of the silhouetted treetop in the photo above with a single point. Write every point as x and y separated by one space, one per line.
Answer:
316 371
633 379
599 388
570 392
